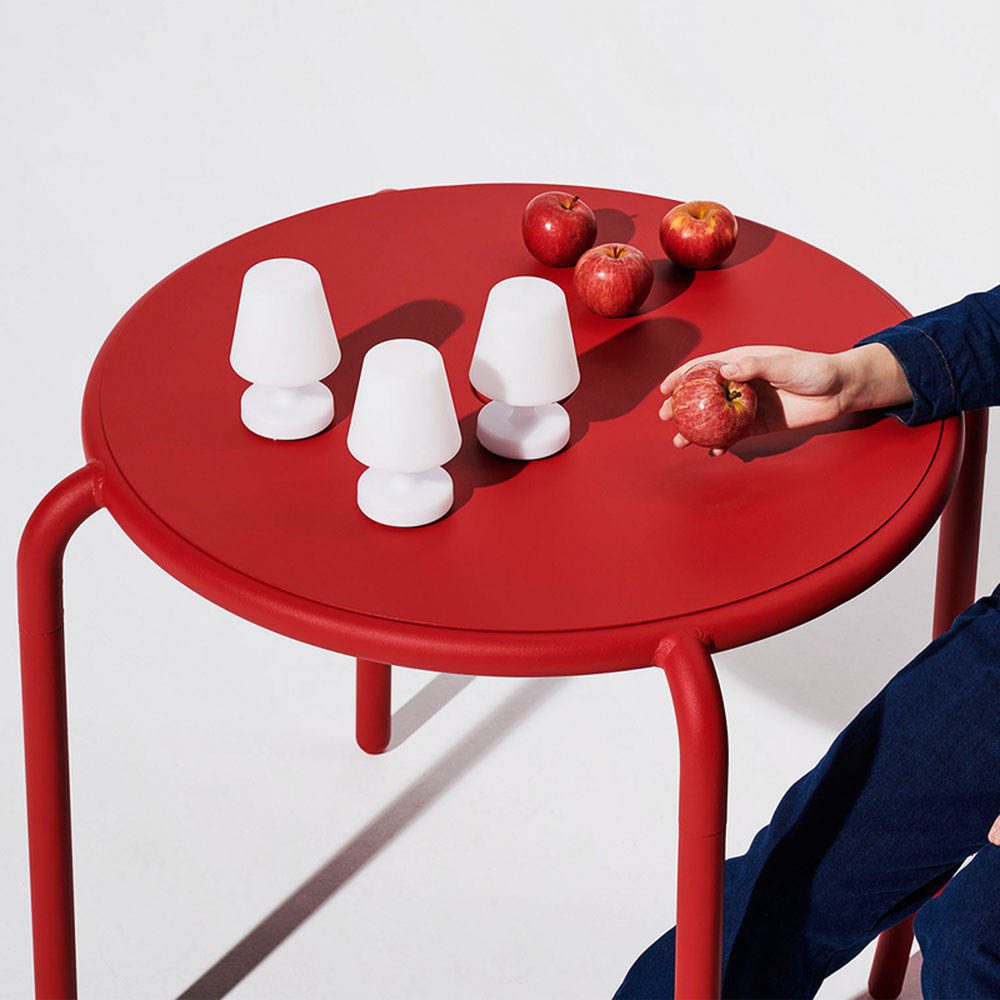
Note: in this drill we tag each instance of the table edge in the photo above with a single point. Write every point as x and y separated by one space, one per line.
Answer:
514 653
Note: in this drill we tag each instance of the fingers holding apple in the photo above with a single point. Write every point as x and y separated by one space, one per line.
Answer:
557 228
682 442
711 410
668 385
679 441
723 361
794 388
613 279
698 234
803 371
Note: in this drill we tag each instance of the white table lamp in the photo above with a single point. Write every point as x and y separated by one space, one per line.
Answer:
284 343
404 428
525 362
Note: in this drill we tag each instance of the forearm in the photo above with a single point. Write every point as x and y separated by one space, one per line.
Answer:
949 359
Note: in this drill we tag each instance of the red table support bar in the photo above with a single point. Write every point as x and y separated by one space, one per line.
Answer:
704 770
46 750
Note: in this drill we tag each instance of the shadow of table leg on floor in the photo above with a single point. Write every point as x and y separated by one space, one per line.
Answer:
292 912
425 704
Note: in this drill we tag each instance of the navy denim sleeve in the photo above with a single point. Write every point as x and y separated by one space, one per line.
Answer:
950 357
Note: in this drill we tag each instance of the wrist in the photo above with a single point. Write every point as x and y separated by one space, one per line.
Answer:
871 379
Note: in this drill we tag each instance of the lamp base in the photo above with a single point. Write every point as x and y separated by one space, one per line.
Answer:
523 432
287 414
405 499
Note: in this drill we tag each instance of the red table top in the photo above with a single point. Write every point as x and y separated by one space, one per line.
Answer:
573 564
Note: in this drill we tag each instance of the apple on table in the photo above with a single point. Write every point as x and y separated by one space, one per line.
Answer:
613 279
557 227
698 234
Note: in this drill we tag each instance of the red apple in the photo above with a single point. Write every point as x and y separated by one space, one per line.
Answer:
613 279
713 411
557 228
698 234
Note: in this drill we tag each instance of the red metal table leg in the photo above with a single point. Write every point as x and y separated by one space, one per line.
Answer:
46 749
958 546
892 955
704 767
957 561
374 705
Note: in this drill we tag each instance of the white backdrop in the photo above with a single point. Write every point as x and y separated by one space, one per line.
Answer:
521 842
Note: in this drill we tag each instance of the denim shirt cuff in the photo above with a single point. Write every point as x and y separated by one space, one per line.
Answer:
926 370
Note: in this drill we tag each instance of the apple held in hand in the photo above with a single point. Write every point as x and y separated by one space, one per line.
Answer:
557 228
713 411
698 234
613 279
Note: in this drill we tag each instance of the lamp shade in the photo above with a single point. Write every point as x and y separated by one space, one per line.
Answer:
284 335
404 416
525 355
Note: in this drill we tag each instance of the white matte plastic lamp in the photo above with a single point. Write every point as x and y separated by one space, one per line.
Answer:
404 428
525 362
284 343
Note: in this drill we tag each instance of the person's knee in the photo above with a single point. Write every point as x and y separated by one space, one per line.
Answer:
960 945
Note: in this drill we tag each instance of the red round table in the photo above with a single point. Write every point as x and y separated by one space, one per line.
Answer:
620 552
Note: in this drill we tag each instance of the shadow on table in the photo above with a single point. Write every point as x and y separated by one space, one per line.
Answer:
616 226
669 281
768 445
752 239
431 320
475 468
615 377
294 911
613 226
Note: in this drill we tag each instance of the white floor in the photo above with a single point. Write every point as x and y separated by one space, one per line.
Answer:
519 842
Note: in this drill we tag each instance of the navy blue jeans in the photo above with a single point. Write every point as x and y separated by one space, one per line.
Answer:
902 798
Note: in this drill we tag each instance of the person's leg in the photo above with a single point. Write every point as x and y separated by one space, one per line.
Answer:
904 795
959 933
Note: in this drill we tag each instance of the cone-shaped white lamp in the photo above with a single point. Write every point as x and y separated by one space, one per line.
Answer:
284 343
525 361
404 428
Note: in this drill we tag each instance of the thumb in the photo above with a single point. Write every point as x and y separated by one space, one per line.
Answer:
774 368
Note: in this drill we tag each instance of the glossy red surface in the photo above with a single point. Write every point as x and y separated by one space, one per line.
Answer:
574 564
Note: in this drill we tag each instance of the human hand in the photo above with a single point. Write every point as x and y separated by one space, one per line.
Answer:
994 835
800 388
